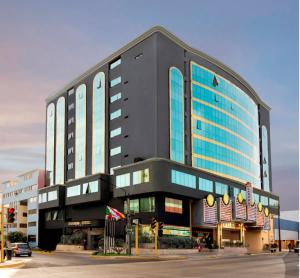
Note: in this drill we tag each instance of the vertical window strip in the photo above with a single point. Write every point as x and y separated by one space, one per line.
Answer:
176 100
50 141
265 159
80 131
60 142
98 150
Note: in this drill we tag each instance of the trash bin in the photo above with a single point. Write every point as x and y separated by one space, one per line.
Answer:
8 254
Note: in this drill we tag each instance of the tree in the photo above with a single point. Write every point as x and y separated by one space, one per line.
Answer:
17 237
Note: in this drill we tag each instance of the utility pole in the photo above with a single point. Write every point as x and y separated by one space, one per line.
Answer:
279 231
128 227
156 239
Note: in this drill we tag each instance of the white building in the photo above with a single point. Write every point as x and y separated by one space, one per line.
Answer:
21 193
289 227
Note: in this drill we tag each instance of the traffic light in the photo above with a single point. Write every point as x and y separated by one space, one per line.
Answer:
11 215
160 229
153 223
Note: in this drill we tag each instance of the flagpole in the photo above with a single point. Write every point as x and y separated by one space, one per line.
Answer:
105 236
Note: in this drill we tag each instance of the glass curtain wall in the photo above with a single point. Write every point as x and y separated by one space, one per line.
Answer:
80 131
50 142
225 132
60 142
99 123
176 98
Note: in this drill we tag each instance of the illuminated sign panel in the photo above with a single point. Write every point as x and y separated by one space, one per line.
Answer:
225 210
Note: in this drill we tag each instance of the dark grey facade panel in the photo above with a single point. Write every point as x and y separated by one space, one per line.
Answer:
264 120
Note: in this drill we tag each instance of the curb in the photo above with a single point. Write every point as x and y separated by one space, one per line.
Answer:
12 265
43 252
143 258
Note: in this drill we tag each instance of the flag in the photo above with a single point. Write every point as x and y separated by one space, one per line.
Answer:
112 213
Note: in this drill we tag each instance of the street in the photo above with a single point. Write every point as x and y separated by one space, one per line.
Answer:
82 265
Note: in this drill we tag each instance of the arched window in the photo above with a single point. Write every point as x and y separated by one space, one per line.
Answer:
98 124
50 141
60 141
80 131
265 158
176 99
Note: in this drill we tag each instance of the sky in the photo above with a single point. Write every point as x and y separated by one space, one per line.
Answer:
46 44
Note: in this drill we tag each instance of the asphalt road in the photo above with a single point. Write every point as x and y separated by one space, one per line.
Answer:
81 265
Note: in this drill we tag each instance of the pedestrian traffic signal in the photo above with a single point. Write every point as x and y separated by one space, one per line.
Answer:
160 229
11 215
153 223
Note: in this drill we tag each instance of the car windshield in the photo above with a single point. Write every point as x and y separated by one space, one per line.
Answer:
23 246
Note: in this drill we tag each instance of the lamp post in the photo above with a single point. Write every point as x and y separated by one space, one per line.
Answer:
279 231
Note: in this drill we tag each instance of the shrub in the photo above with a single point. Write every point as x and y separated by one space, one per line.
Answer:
17 237
177 242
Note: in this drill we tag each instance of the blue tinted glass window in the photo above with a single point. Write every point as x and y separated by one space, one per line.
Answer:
221 188
236 191
115 114
225 133
206 185
176 115
50 141
256 198
115 64
80 131
115 97
115 151
98 123
184 179
60 142
115 81
264 200
115 132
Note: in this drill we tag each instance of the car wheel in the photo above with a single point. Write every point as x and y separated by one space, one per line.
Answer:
29 255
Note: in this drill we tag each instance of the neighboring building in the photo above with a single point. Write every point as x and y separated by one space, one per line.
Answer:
289 227
172 129
22 194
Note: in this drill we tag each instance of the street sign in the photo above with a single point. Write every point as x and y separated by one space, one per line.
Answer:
135 221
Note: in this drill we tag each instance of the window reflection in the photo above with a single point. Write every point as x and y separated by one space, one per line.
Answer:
60 141
225 134
50 141
176 115
80 131
99 123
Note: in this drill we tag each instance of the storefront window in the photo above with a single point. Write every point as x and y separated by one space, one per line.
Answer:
173 205
147 204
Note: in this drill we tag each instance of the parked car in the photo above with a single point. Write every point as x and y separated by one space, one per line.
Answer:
296 249
21 248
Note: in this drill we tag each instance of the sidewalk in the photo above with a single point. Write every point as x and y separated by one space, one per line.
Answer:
12 264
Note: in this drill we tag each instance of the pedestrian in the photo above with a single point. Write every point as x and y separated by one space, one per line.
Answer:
85 244
290 247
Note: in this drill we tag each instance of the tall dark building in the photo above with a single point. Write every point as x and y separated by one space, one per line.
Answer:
176 131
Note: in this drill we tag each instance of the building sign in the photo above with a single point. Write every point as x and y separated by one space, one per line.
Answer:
176 231
251 213
225 209
210 210
260 216
79 223
240 208
231 225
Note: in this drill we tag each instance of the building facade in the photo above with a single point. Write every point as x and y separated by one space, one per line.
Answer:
21 194
289 228
168 127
